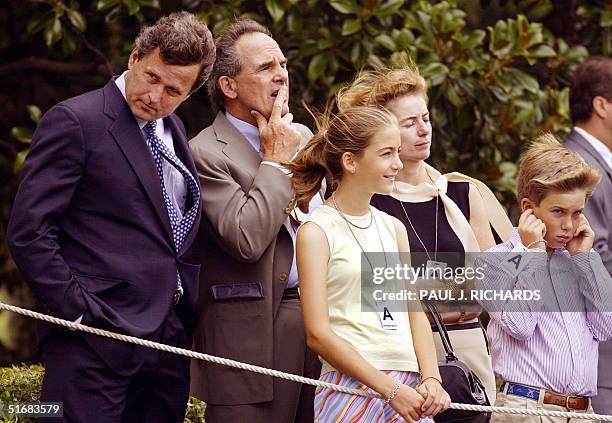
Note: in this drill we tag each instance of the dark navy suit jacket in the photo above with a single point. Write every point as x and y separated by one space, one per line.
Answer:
89 229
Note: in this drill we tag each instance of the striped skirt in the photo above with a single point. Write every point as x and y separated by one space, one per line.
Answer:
338 407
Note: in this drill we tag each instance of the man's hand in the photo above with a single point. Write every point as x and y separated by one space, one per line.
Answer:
583 238
531 229
279 139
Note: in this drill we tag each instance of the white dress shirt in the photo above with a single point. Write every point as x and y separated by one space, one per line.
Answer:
599 146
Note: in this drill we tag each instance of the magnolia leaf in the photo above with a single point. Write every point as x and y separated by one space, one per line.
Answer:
34 112
346 7
388 8
106 4
18 163
317 66
77 20
22 133
275 9
351 26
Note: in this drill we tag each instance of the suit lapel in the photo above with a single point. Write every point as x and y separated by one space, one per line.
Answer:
238 149
129 138
583 146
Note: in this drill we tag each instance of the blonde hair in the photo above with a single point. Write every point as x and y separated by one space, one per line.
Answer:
349 131
546 166
381 85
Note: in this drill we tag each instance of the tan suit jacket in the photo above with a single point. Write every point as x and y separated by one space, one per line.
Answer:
246 251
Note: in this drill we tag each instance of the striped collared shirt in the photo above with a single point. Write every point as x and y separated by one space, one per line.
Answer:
530 343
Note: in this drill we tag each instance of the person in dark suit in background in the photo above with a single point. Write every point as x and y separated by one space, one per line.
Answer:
102 227
249 290
591 137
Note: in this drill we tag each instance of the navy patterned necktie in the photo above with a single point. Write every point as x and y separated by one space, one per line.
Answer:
180 226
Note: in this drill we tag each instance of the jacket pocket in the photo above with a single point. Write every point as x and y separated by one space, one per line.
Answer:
238 292
98 284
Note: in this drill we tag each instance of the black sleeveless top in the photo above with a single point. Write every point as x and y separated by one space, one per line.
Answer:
423 216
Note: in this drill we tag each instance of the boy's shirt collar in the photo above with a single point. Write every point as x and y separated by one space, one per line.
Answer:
516 244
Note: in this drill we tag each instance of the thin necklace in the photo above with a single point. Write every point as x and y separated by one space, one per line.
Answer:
347 220
436 225
349 223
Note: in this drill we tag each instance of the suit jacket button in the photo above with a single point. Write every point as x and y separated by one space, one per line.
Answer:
283 276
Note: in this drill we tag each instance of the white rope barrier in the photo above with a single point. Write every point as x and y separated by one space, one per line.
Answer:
279 374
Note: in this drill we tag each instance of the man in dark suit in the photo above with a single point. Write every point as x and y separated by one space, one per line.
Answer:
248 293
102 228
591 110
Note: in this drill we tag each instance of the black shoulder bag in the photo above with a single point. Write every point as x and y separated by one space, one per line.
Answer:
458 380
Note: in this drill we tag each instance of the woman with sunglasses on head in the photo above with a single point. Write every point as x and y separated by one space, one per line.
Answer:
359 150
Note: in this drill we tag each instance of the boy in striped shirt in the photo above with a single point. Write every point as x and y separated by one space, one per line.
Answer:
545 350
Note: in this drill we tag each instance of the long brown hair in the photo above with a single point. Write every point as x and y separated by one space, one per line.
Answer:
349 131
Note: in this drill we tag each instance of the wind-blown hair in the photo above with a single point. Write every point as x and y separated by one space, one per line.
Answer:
547 166
349 131
380 86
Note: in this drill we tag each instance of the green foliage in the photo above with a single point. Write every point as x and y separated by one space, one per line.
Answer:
599 16
24 134
195 411
20 383
23 384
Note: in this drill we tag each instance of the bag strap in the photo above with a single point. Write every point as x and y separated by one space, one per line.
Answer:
448 347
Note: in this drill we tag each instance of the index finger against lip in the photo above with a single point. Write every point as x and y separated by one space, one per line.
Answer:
278 103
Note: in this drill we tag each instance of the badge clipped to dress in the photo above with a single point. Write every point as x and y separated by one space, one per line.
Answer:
387 320
433 264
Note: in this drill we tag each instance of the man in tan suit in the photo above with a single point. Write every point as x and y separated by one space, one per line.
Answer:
248 286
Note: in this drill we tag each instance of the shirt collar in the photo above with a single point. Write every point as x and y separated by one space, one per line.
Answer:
515 239
120 82
250 132
599 146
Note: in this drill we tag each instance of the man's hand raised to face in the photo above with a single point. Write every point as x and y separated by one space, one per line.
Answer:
279 139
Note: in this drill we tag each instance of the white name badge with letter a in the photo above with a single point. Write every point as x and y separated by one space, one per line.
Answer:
388 320
432 264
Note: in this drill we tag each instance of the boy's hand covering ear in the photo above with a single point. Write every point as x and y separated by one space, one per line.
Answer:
583 238
531 229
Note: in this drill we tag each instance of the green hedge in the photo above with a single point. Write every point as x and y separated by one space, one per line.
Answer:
23 383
